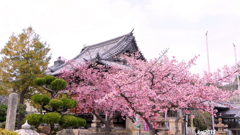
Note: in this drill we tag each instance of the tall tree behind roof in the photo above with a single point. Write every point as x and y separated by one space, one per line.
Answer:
24 57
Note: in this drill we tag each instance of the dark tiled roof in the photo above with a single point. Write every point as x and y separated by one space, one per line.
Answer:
231 86
232 112
104 51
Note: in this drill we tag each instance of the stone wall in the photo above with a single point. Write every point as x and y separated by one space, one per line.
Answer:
130 125
172 125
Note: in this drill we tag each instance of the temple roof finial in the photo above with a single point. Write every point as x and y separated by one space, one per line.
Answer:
132 30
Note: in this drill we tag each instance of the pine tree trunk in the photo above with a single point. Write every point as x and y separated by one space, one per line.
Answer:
20 116
51 129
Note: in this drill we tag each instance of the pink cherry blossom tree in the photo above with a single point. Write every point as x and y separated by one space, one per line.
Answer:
88 84
156 86
145 88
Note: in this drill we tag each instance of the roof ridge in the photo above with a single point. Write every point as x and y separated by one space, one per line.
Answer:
109 40
109 45
118 48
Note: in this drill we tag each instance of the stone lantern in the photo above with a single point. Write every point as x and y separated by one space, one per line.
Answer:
221 127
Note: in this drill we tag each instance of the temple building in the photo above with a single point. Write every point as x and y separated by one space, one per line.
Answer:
102 53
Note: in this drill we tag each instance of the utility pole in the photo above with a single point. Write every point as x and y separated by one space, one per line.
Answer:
207 52
236 66
213 128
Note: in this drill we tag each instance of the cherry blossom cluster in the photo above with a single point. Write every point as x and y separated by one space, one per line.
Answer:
146 88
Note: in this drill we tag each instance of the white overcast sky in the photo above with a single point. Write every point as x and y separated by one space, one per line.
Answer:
180 25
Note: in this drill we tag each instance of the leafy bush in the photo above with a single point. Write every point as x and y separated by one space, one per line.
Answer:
3 125
3 113
58 84
3 106
49 79
2 119
21 110
202 120
51 118
34 119
5 132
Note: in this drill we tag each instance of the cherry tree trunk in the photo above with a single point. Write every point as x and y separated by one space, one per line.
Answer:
107 127
151 129
106 122
176 125
151 132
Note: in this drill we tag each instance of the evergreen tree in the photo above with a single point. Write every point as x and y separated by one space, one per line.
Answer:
24 58
56 108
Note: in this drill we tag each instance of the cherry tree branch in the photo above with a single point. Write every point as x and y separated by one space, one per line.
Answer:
149 68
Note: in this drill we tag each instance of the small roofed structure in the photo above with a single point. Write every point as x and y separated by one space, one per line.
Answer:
103 53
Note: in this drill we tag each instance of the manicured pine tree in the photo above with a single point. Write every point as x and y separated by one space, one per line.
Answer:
56 107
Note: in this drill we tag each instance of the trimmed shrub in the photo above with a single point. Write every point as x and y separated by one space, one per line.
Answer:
58 84
68 121
49 79
56 104
39 81
72 121
69 103
34 119
81 122
51 118
40 99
